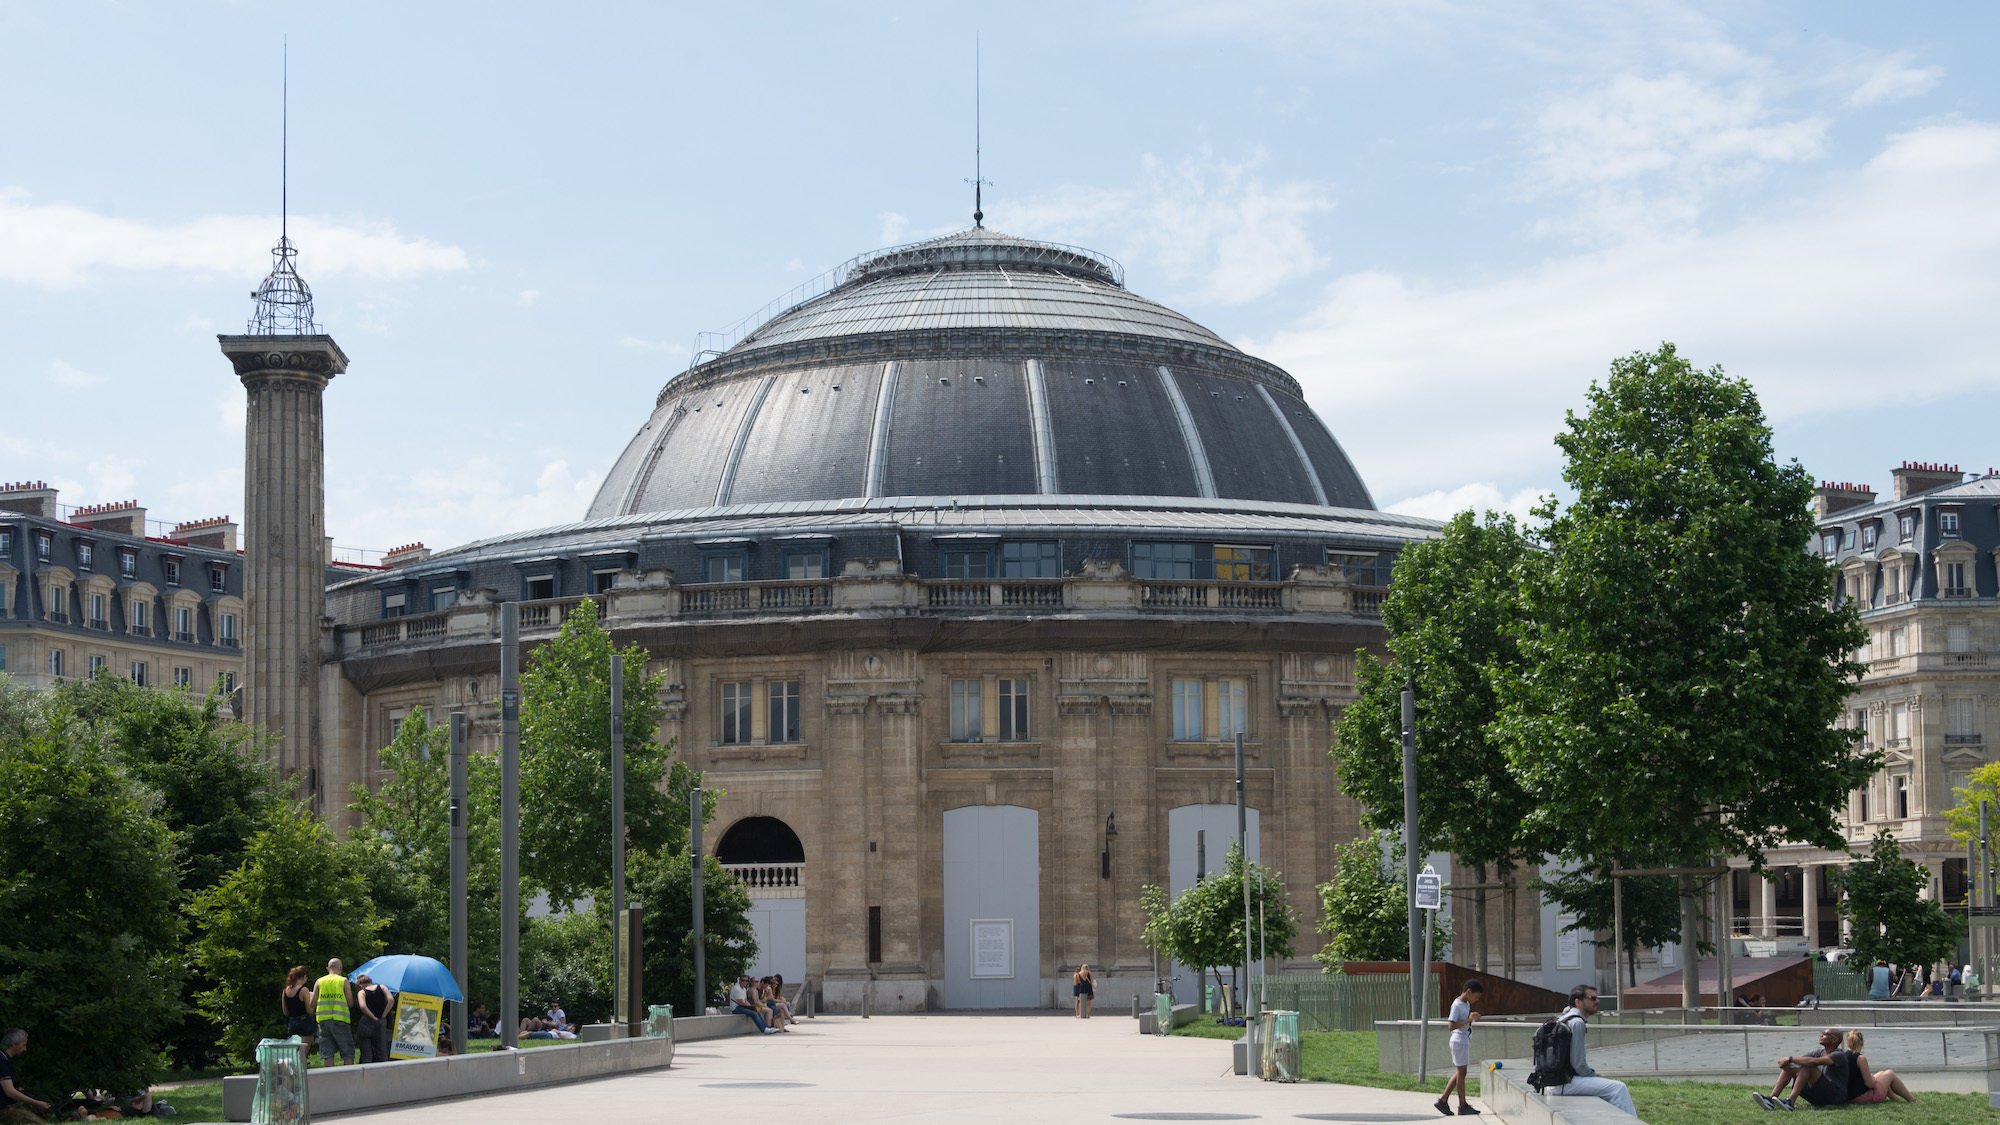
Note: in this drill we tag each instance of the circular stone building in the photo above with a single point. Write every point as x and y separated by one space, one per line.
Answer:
964 574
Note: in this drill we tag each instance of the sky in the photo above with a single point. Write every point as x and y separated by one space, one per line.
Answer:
1444 219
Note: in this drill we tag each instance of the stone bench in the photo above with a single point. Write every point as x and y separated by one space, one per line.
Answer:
1184 1014
345 1089
1506 1094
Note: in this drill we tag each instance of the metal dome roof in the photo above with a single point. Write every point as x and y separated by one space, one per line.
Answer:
978 364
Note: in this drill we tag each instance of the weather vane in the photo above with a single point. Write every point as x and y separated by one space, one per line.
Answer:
284 301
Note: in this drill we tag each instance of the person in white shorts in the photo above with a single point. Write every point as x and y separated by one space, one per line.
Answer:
1462 1017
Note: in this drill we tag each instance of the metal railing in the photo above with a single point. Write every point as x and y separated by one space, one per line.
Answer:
1341 1001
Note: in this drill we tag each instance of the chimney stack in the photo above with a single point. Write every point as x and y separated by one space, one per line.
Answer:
1922 476
406 554
29 497
124 517
1831 497
216 533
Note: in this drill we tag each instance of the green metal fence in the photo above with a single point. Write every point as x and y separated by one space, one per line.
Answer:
1838 981
1340 1002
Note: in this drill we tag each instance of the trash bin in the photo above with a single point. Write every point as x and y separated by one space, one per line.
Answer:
1163 1013
1208 999
281 1083
659 1021
1279 1039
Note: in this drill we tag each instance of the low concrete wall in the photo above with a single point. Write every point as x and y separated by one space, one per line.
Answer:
687 1029
344 1089
1507 1095
1184 1014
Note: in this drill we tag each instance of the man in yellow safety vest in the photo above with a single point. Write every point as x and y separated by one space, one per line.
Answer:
334 1011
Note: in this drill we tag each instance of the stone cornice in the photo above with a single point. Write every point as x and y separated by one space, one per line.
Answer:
283 355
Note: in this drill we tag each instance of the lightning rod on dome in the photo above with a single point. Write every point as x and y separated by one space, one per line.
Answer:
284 301
978 179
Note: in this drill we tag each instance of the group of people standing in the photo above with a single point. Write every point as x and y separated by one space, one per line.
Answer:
339 1014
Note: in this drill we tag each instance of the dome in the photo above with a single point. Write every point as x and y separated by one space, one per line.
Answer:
978 364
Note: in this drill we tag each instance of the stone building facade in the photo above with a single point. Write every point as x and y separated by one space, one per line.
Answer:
963 575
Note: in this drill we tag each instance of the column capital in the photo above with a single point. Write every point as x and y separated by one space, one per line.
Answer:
306 355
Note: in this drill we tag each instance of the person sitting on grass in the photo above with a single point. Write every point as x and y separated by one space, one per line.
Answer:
479 1023
1882 1085
16 1104
1822 1077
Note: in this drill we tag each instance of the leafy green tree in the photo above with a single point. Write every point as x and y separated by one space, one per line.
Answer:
293 901
566 762
1680 667
1652 908
1452 611
1879 896
664 886
402 848
1203 925
566 959
1366 909
1983 785
89 926
215 790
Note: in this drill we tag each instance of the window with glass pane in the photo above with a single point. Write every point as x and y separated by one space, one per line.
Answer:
6 542
183 677
1014 710
968 564
723 568
183 623
1187 710
1958 638
172 569
395 604
86 556
218 579
1906 528
142 617
1955 579
128 564
1958 714
965 725
1901 794
44 545
736 713
1030 560
443 597
139 672
99 611
784 697
59 602
96 665
225 629
1948 524
1868 538
803 566
226 681
1163 560
55 662
1233 708
1242 564
3 658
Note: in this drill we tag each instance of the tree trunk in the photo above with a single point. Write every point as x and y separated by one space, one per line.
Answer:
1507 932
1690 947
1485 961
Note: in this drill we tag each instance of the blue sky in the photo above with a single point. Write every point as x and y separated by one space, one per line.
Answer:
1444 218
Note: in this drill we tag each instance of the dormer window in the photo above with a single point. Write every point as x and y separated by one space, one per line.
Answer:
86 554
6 542
1906 527
1829 543
1948 523
1869 533
218 579
171 568
128 564
44 546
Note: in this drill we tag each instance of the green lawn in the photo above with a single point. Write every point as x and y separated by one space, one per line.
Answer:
1348 1057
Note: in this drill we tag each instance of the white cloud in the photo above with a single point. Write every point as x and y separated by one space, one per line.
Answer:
1893 79
1638 155
72 378
1210 224
641 344
462 498
526 298
1879 284
895 227
63 246
1479 496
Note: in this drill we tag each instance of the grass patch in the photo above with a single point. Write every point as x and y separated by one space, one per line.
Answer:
1348 1057
195 1101
1712 1103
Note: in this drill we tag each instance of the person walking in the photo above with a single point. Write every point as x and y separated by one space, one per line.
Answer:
333 1008
1583 1004
1461 1018
1083 987
371 1019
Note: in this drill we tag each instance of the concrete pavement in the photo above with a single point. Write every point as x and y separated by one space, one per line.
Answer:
1011 1067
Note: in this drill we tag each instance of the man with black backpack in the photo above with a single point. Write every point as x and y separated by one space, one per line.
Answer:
1561 1065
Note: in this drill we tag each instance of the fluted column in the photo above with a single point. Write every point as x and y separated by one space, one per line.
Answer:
284 552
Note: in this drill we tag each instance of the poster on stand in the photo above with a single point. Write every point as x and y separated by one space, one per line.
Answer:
416 1035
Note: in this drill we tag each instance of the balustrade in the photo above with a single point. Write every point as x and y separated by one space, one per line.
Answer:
764 877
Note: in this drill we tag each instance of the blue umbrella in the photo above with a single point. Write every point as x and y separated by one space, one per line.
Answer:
411 972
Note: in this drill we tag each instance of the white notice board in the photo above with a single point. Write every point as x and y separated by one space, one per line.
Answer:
992 948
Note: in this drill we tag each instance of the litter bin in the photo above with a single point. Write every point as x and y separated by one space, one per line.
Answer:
659 1021
1279 1039
1163 1013
281 1083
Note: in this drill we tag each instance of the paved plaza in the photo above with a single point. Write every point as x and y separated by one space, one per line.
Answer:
1031 1066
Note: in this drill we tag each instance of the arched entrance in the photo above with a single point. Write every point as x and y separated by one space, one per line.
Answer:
992 907
1198 840
768 858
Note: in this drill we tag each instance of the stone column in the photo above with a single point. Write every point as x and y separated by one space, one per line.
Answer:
284 546
1809 902
837 901
896 815
1767 906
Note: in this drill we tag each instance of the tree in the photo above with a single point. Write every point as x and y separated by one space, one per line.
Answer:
1879 896
665 887
293 901
566 959
1982 786
1451 613
566 762
1652 908
89 925
1681 667
402 848
1365 907
1203 926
